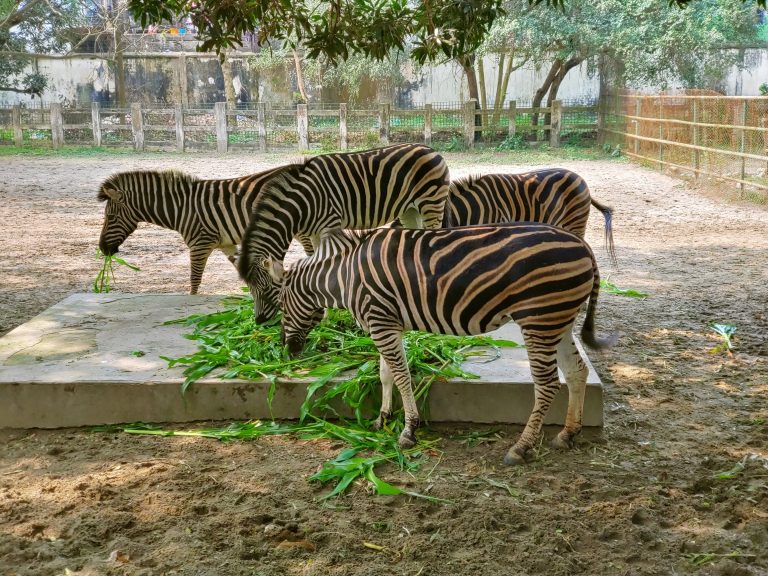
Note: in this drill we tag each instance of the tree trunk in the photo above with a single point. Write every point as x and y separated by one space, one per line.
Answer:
555 86
498 100
300 77
543 89
119 65
483 93
229 86
467 64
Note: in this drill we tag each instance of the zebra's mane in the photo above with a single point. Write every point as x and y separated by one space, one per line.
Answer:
464 182
129 180
274 189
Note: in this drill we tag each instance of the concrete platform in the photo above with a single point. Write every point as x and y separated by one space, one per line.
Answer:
73 366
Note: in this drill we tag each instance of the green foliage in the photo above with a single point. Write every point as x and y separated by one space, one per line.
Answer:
726 331
34 27
610 288
342 363
612 151
763 89
106 276
336 30
516 142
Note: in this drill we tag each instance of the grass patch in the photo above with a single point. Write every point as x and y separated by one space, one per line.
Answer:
341 362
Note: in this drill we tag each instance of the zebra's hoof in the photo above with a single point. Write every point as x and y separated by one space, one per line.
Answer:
514 457
564 440
407 439
378 424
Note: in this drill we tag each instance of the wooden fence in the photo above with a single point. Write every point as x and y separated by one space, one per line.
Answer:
714 138
269 126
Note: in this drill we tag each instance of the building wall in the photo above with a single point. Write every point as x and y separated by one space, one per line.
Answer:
154 80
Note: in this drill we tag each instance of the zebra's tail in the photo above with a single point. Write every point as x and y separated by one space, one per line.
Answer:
588 335
608 215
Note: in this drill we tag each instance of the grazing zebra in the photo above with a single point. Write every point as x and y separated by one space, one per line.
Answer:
553 196
467 280
208 214
355 190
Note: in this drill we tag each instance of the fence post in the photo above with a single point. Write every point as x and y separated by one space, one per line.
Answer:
137 124
18 133
96 123
261 125
302 126
661 133
179 114
220 117
512 114
638 110
556 117
469 123
343 140
743 145
428 124
696 139
57 126
384 123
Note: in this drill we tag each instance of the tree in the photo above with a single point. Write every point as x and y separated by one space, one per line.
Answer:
337 29
27 27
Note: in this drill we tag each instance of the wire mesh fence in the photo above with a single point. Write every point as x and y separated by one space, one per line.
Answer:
719 141
450 125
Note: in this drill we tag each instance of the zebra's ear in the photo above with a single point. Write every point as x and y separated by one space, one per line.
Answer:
275 269
113 194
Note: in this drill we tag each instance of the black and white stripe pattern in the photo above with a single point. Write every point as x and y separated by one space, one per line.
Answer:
468 280
552 196
356 190
209 214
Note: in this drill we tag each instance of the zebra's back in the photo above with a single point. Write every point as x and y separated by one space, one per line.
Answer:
553 196
471 280
355 190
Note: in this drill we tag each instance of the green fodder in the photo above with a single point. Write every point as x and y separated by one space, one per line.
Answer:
341 362
105 277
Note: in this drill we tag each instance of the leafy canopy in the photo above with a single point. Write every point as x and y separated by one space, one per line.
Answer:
433 29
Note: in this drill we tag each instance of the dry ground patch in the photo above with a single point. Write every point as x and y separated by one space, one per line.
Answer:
676 482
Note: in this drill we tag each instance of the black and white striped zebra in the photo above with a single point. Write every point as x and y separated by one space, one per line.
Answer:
355 190
552 196
467 280
209 214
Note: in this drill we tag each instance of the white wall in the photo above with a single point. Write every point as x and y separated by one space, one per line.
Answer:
447 83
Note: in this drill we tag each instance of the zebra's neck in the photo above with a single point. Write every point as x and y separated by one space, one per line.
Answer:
321 281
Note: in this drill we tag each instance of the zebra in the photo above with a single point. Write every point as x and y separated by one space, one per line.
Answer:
209 214
552 196
466 280
355 190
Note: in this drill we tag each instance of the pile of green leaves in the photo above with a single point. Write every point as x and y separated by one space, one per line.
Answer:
609 287
342 363
106 275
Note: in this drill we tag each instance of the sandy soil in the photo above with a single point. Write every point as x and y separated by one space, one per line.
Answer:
641 496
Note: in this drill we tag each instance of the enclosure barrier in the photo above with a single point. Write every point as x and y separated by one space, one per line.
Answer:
715 139
302 127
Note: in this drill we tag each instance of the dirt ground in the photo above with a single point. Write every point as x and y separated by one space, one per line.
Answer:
643 495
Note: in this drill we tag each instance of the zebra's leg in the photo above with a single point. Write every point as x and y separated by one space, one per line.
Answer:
198 257
576 371
390 345
542 357
387 379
